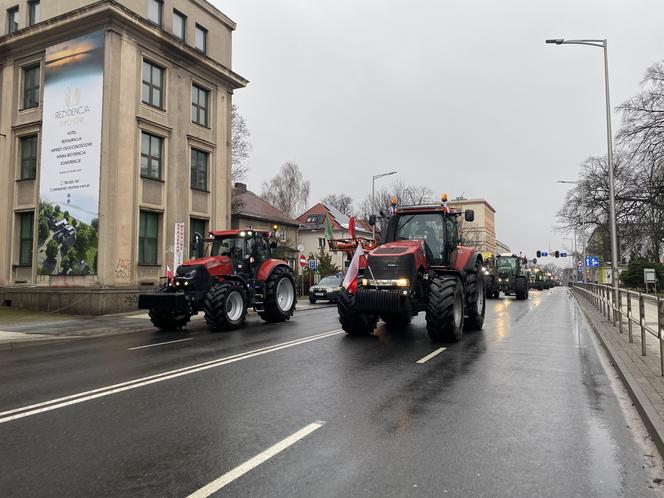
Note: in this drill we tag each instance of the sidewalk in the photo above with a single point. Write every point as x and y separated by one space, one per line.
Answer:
640 374
20 327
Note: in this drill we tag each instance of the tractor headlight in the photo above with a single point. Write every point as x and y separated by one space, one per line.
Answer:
365 282
403 282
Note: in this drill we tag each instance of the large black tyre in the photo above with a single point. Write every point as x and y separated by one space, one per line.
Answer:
352 322
475 299
279 303
397 320
167 321
521 288
225 305
444 314
312 300
490 286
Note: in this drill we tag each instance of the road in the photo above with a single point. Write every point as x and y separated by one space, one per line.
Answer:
524 408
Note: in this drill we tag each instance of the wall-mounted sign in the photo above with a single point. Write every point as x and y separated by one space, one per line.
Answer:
178 246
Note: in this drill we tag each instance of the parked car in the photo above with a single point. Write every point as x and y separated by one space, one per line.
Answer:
325 290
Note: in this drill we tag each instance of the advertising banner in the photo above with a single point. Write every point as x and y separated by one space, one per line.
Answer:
179 245
71 157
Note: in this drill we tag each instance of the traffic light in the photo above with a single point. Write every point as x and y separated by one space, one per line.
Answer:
539 254
556 254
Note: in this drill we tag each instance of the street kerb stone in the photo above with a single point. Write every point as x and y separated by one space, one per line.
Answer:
639 374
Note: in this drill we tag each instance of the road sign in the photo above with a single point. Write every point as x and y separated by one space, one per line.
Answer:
544 253
303 260
592 261
313 264
563 254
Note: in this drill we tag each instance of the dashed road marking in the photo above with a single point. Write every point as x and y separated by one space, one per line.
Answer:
431 355
254 462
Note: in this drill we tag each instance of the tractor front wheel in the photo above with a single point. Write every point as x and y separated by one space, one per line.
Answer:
444 313
521 289
167 321
475 299
279 302
353 322
225 306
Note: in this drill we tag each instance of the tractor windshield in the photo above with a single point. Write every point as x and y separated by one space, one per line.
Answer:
506 262
429 227
237 248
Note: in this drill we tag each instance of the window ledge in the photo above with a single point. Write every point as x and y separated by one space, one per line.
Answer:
200 190
153 179
148 265
26 179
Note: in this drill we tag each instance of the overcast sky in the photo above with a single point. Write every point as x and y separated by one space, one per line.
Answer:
463 96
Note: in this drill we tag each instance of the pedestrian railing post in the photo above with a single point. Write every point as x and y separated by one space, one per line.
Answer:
642 321
609 305
619 314
629 317
660 331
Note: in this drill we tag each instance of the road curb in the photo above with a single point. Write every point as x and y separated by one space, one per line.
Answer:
644 406
13 345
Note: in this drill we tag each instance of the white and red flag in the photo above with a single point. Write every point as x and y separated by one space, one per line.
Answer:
350 280
169 274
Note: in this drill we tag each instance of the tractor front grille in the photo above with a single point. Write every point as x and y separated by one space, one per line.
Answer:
382 301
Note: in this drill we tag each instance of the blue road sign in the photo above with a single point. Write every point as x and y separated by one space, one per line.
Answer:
592 261
313 264
563 254
544 253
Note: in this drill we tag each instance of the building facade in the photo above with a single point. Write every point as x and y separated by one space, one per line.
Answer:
114 145
480 233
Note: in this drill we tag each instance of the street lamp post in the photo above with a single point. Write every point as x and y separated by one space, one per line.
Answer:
373 195
609 142
583 225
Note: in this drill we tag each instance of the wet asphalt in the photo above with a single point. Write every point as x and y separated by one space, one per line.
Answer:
523 408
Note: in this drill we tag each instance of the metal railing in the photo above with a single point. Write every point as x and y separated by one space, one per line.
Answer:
631 310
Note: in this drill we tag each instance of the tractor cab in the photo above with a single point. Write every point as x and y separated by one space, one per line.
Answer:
246 249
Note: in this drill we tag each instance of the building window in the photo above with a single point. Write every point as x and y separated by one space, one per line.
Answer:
31 86
199 105
179 24
199 169
201 38
153 84
12 19
151 154
314 218
33 12
26 227
148 238
196 226
155 11
28 157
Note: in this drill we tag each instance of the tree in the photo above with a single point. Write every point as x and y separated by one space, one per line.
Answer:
43 229
407 195
632 276
240 146
52 249
325 265
288 191
342 202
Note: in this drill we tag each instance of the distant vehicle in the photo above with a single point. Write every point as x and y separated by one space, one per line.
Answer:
325 290
509 275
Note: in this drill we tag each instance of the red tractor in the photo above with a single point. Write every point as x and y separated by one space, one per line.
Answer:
238 272
419 267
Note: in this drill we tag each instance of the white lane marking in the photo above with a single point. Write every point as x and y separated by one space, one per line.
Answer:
73 399
254 462
159 344
431 355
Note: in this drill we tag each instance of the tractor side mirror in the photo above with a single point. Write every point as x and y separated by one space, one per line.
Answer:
469 215
372 220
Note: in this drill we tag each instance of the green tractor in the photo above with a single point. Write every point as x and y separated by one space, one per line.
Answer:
510 275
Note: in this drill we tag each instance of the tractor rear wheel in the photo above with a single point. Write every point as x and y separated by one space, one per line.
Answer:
396 320
521 288
444 313
352 322
279 303
475 299
167 321
225 305
490 285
